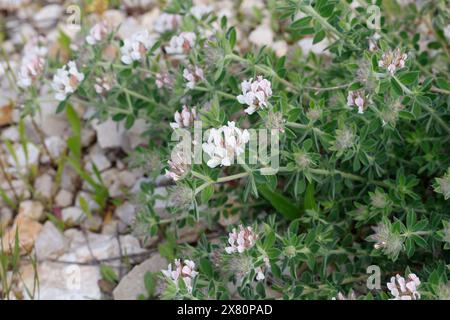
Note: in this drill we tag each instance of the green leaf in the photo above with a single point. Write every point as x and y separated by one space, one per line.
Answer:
282 204
409 78
206 267
442 83
207 193
150 280
310 202
319 36
301 23
409 247
109 274
396 86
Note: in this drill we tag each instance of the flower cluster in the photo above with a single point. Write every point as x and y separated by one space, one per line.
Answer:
185 119
393 60
97 33
192 75
224 144
163 79
33 62
178 163
182 44
241 240
103 84
185 271
136 47
66 80
357 98
167 22
390 242
255 94
404 290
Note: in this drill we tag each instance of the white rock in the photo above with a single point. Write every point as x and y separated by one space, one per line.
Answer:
44 185
109 133
48 16
87 137
72 215
93 223
6 217
63 198
32 209
22 160
133 137
50 242
88 198
90 246
126 213
100 161
262 35
132 285
11 134
307 46
280 47
59 281
56 146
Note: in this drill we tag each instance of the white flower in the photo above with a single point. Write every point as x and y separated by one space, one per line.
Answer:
393 60
259 274
255 94
201 10
103 84
192 75
167 22
357 98
97 33
224 144
242 240
30 70
185 119
33 62
178 164
135 48
66 80
185 271
404 290
163 80
182 44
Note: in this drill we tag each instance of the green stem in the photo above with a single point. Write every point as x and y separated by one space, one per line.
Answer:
220 93
220 180
430 110
324 22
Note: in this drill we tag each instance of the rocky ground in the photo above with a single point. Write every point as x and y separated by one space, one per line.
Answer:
48 202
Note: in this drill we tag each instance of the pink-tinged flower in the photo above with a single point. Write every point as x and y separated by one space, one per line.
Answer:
182 44
167 22
242 240
185 271
259 274
66 80
31 68
185 119
393 60
255 94
224 144
357 98
97 33
192 75
403 289
103 85
163 80
135 48
178 163
33 62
